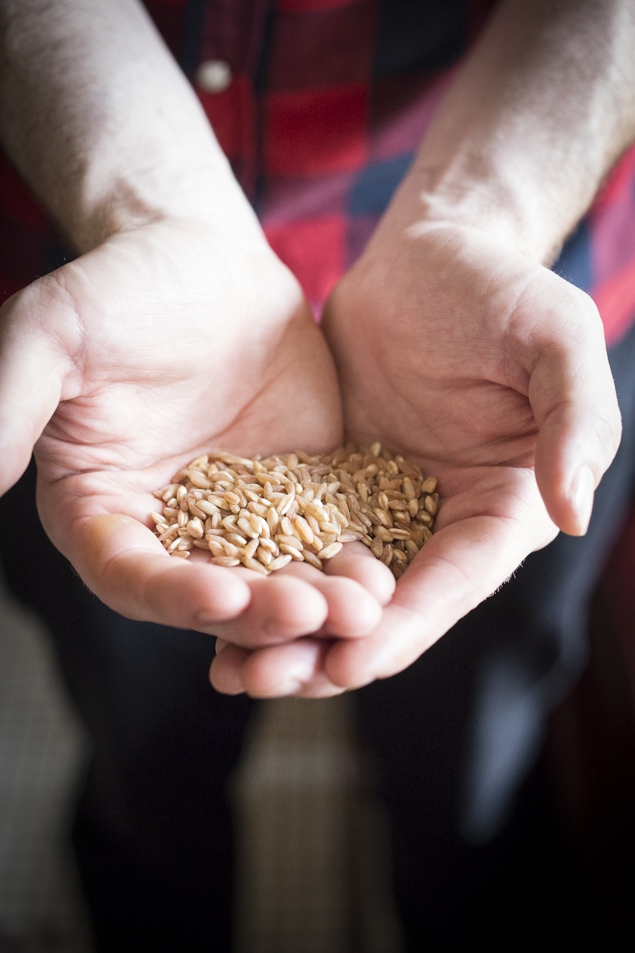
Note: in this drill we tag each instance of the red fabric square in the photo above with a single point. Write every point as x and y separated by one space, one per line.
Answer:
323 48
231 114
316 131
314 251
618 187
613 238
612 220
615 299
234 30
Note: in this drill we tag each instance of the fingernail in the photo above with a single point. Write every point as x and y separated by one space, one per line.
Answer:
581 494
290 686
293 680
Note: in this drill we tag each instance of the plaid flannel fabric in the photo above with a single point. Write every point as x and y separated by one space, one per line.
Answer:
322 109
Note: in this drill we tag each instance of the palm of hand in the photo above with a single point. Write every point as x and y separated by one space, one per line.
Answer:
155 347
436 370
454 351
174 341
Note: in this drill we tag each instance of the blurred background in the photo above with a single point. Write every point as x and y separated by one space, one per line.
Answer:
313 864
312 875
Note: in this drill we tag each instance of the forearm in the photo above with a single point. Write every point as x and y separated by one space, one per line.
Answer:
103 125
536 117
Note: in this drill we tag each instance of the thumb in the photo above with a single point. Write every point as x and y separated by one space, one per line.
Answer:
575 406
31 378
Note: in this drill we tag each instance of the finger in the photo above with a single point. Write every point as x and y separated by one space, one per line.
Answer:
574 402
226 675
284 605
460 566
282 608
278 671
352 610
127 567
31 380
355 561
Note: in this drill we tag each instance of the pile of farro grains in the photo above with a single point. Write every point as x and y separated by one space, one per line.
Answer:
263 513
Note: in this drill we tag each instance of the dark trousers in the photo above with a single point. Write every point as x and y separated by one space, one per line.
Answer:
457 742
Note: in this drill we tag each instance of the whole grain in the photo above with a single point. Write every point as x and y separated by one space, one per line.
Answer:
264 513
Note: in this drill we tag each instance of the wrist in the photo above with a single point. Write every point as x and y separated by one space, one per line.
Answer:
532 123
204 195
501 201
115 137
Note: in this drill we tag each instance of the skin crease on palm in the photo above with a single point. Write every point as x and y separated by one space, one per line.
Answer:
128 420
463 385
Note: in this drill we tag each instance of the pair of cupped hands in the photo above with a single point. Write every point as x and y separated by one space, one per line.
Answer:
170 339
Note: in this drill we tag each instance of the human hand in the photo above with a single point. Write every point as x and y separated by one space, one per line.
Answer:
161 343
453 344
490 372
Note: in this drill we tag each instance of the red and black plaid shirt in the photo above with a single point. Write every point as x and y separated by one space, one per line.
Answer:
320 111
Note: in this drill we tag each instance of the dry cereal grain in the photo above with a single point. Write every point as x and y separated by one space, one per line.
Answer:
265 512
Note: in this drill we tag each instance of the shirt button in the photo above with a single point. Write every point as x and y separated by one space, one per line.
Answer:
213 76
